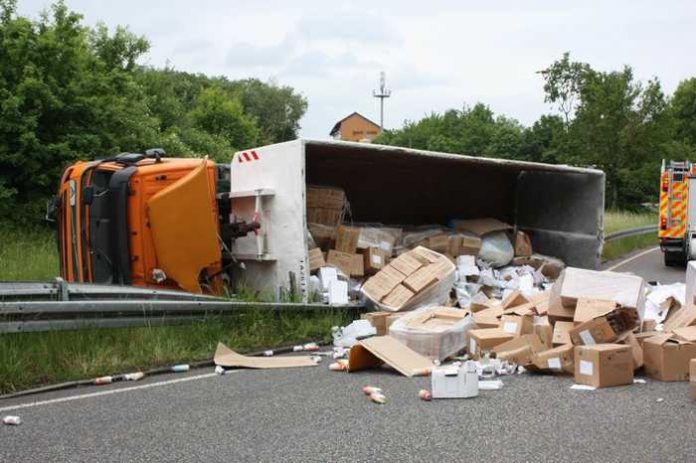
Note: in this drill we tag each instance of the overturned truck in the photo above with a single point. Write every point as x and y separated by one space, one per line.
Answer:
560 207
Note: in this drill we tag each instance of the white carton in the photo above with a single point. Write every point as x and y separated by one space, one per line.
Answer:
455 382
338 292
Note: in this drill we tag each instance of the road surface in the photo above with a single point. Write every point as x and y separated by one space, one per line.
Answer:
312 414
648 264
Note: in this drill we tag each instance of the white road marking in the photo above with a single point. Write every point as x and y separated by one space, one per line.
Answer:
626 261
109 392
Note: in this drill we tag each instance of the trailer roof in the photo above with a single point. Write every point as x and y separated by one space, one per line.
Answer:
424 154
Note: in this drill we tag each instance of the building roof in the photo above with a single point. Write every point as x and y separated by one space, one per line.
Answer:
337 126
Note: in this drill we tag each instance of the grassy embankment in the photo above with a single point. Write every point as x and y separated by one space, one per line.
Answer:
31 359
621 220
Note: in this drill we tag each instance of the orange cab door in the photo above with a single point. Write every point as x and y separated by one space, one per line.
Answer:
184 230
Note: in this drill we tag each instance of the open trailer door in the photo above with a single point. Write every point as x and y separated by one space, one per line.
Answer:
184 231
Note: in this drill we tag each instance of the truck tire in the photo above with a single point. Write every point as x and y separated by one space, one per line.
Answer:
674 259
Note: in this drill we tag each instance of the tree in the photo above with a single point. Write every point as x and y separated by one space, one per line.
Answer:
563 81
683 108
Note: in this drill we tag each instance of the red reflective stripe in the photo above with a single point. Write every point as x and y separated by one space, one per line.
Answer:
246 156
254 155
240 158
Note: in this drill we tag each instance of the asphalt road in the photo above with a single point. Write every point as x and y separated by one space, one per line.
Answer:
313 414
648 264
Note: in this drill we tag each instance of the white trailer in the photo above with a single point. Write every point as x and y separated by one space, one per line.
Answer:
561 207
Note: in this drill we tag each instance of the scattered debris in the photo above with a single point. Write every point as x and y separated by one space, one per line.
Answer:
425 394
181 368
378 398
12 420
226 357
137 376
490 385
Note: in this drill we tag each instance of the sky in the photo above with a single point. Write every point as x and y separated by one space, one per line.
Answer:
437 55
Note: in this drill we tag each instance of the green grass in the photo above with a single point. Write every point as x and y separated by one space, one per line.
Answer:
32 359
618 248
28 254
622 220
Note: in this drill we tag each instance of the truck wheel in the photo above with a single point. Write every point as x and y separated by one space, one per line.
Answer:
674 259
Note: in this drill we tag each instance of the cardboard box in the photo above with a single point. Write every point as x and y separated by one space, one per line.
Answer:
454 382
399 296
381 284
347 239
338 292
316 259
324 236
438 243
667 357
520 350
484 340
421 278
557 360
374 260
692 377
349 264
686 316
605 328
544 330
407 263
561 334
575 283
629 339
436 332
464 245
378 320
488 318
324 216
325 196
523 245
587 309
480 301
603 365
516 325
378 350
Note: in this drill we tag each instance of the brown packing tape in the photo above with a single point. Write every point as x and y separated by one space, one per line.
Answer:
372 352
226 357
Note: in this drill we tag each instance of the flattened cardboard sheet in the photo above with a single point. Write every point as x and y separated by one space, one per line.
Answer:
226 357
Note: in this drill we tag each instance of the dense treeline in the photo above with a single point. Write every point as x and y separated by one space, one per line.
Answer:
603 119
70 92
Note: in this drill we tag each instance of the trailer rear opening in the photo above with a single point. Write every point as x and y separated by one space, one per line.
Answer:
561 207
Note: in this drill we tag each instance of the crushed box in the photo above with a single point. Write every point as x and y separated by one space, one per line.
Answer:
558 360
603 365
604 328
576 283
523 245
561 334
520 350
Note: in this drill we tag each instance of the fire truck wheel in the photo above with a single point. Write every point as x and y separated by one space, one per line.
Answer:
674 259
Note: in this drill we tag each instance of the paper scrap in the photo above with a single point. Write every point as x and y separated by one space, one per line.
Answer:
226 357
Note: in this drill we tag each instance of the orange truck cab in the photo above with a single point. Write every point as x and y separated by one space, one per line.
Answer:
146 220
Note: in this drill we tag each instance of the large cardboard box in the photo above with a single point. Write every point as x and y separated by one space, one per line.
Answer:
347 239
575 283
324 236
325 205
436 332
603 365
484 340
349 264
557 360
686 316
380 238
428 275
667 356
630 340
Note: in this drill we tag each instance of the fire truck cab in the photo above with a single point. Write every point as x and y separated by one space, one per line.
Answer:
677 222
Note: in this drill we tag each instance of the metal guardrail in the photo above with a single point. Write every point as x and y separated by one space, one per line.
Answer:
631 232
57 305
